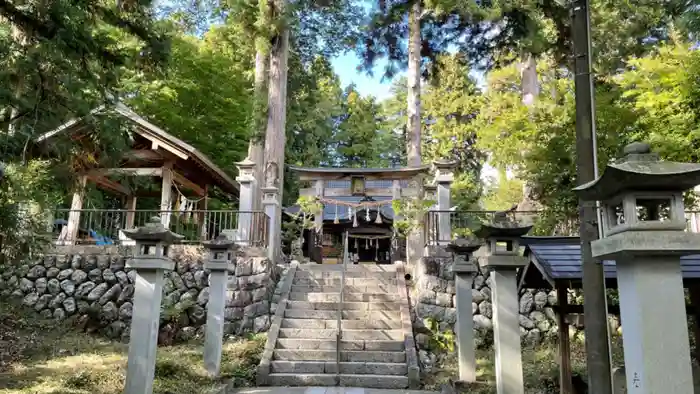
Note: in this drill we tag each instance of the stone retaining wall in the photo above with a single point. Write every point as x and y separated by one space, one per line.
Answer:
93 282
433 296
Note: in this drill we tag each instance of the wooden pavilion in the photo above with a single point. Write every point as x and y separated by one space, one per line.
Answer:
555 263
152 154
356 200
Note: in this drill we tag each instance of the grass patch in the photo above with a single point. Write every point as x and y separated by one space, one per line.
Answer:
42 357
540 369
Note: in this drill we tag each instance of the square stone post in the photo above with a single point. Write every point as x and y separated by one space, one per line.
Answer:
219 264
444 176
647 245
465 269
272 207
318 222
150 263
245 178
502 258
431 223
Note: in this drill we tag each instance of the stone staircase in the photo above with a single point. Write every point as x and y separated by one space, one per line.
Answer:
374 347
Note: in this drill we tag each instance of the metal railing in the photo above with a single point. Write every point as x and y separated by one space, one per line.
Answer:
339 331
444 226
104 226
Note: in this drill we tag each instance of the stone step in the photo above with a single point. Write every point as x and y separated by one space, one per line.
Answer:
346 380
348 335
344 324
348 281
349 315
348 306
346 289
348 274
355 368
349 267
330 344
345 355
348 297
302 380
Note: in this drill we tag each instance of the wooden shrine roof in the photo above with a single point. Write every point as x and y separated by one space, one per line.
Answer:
306 173
195 165
558 259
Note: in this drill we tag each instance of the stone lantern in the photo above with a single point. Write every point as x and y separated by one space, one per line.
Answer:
150 263
218 264
502 259
644 223
464 270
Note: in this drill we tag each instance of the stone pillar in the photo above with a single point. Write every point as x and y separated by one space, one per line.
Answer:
150 263
464 270
246 180
272 206
646 246
219 264
431 230
318 223
396 195
502 259
444 176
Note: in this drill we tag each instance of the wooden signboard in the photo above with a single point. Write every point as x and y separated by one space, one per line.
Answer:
357 185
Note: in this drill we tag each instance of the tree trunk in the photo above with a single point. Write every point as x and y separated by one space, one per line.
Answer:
275 135
256 148
529 85
413 147
530 89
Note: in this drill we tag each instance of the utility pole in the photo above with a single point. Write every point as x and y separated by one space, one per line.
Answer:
594 297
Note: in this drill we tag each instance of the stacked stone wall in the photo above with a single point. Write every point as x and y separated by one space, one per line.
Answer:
79 282
433 296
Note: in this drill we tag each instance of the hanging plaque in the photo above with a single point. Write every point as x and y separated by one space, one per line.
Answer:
357 185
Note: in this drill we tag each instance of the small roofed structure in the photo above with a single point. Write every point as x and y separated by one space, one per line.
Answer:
555 263
153 154
357 201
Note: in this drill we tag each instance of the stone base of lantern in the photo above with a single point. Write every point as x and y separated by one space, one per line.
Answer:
464 278
655 334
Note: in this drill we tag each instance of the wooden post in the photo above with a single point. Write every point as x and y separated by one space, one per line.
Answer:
74 216
695 303
565 385
166 194
130 211
202 206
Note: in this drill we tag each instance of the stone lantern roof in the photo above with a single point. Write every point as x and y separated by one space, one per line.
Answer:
640 170
502 227
463 246
222 242
153 231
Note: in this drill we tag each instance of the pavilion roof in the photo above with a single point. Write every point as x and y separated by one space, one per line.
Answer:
159 138
556 259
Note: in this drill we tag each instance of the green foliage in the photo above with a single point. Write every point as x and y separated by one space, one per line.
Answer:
502 193
410 214
25 193
176 101
442 341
